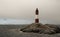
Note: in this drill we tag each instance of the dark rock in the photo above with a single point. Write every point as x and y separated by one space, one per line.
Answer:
46 29
56 28
42 29
31 28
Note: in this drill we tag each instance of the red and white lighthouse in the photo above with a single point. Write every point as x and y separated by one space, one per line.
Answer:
37 16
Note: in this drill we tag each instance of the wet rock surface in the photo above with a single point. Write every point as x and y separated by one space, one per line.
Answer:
42 29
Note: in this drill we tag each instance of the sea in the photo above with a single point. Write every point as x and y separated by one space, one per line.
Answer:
25 21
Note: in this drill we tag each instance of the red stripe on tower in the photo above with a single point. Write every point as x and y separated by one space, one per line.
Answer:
37 14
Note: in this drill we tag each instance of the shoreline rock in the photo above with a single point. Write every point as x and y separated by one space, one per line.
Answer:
42 29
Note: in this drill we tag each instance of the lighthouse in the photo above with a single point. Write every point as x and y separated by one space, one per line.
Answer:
37 16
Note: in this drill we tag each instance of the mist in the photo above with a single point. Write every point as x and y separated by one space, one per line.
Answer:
49 10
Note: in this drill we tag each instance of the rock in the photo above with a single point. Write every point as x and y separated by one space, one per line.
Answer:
31 28
47 31
56 28
42 29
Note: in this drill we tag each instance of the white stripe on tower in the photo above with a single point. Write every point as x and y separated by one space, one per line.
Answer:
37 14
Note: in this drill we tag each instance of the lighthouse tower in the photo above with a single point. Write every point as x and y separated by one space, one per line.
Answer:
37 16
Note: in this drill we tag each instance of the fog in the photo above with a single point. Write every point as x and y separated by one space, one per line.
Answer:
25 9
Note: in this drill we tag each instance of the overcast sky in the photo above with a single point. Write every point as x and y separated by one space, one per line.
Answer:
25 9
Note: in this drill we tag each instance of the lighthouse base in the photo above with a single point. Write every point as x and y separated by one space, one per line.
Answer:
40 28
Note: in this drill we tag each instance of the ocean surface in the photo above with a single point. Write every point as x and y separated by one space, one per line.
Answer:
26 21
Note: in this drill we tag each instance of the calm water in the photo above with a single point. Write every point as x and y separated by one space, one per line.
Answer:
25 21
